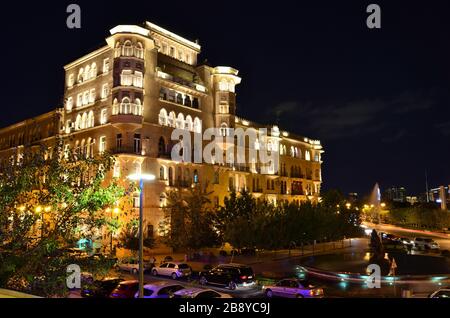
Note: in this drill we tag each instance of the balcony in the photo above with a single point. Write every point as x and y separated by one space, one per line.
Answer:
127 150
126 121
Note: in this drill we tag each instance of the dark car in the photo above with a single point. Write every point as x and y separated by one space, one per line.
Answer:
125 289
229 275
100 288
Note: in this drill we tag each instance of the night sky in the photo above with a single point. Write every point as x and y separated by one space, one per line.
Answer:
377 99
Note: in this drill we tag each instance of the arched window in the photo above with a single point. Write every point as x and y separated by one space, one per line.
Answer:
187 101
91 121
162 120
188 123
139 50
170 176
80 75
84 121
172 119
292 151
296 152
87 72
115 109
78 122
93 70
125 106
69 104
127 49
162 173
269 145
137 107
197 125
224 129
300 153
161 146
70 80
307 155
179 99
180 121
118 50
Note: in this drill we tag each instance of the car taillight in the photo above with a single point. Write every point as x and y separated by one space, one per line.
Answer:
311 292
243 277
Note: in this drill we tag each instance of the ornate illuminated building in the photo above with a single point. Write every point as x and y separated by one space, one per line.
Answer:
127 97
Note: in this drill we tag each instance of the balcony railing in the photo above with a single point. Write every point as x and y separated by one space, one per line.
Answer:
127 150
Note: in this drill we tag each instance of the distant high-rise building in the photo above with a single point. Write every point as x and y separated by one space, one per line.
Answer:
395 194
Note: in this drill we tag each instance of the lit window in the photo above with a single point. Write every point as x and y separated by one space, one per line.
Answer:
224 129
93 73
139 50
86 98
172 119
68 126
180 121
102 144
106 65
115 109
137 107
78 122
92 95
117 50
307 155
80 75
162 120
105 91
79 100
125 106
127 49
224 109
137 80
197 125
70 80
188 123
87 73
103 117
69 104
126 78
90 120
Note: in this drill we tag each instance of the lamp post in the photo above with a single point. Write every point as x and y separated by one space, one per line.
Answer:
141 178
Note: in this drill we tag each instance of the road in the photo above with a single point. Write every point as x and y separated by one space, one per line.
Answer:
441 238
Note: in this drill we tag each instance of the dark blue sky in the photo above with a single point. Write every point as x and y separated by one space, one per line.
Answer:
378 99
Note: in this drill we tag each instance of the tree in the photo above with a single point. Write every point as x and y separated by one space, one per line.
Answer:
188 221
49 199
129 237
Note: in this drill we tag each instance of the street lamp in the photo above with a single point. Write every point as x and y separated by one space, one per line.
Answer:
141 178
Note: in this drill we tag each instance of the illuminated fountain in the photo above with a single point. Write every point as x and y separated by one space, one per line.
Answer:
375 203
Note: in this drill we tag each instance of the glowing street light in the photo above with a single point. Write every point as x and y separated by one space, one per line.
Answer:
141 178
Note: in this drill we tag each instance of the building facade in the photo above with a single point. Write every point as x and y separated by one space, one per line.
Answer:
128 96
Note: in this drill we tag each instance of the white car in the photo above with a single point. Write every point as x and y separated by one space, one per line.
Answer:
292 288
422 243
130 265
160 290
172 269
199 293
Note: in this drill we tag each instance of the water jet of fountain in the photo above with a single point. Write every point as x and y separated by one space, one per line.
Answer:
375 201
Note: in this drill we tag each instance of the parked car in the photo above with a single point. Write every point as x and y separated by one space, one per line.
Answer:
292 288
395 246
131 265
168 259
160 290
422 243
100 288
229 275
172 269
390 237
407 241
441 293
125 289
199 293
